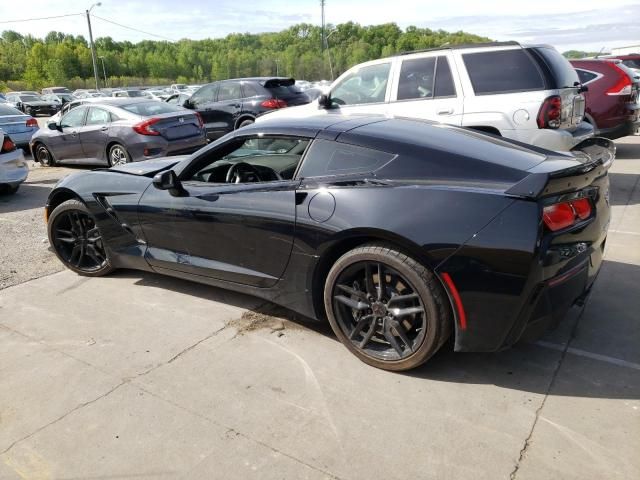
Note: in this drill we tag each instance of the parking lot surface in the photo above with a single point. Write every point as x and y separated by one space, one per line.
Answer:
141 376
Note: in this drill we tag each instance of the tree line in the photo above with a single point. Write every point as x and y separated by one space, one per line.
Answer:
27 62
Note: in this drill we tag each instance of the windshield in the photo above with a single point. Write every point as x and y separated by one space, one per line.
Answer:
136 93
149 109
30 98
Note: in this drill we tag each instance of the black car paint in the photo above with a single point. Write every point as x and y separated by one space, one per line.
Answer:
460 221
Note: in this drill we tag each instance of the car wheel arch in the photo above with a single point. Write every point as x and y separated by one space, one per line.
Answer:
349 241
58 197
241 119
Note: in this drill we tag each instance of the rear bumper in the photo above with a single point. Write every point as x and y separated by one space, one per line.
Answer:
159 147
553 139
630 127
13 168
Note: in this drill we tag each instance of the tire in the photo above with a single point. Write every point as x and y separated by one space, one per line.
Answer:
422 311
245 122
27 111
43 156
118 155
9 189
77 241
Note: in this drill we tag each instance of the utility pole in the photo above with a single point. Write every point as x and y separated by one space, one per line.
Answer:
104 71
322 3
93 47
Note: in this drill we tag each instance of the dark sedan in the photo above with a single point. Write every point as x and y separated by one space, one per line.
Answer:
116 131
33 105
400 232
230 104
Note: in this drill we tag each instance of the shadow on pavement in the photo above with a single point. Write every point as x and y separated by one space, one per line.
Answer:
29 196
527 367
627 151
622 187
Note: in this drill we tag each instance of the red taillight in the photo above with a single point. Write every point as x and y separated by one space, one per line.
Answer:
200 121
623 85
8 145
32 122
145 128
550 111
563 215
274 103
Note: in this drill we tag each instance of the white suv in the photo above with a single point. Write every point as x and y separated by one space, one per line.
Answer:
526 93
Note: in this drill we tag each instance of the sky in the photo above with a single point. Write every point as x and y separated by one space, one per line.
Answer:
590 25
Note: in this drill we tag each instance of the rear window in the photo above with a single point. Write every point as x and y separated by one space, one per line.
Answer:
327 158
7 110
632 63
562 73
503 71
149 109
284 90
136 93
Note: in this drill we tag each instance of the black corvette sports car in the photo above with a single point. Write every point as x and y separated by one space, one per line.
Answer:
400 232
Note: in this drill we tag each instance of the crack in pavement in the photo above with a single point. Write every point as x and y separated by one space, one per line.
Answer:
74 409
527 441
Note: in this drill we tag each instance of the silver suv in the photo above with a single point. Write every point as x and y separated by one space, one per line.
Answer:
526 93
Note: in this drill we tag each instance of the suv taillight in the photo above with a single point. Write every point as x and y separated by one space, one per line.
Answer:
623 85
274 103
7 145
550 111
145 128
563 215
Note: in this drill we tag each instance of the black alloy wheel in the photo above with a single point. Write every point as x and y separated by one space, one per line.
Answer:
77 240
43 156
387 308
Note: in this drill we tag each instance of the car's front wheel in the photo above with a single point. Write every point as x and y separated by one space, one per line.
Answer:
386 307
76 239
43 155
118 155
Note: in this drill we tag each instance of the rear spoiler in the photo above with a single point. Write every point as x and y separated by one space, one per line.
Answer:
279 82
563 175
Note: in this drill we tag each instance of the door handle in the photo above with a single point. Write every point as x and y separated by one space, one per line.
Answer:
445 111
104 129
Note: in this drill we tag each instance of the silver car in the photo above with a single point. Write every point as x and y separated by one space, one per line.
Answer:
21 127
13 167
117 131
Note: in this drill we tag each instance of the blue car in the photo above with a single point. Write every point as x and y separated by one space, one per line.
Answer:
20 126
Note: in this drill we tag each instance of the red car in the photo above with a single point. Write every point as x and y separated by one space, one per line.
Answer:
613 98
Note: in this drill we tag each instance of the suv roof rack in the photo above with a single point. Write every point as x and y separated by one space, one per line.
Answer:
509 43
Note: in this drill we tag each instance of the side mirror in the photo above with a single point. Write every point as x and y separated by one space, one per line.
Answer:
187 103
583 88
324 101
168 180
54 126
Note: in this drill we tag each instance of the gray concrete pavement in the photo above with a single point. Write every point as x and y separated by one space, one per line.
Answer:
141 376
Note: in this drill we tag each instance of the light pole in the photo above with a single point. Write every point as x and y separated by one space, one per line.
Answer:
93 47
326 39
104 71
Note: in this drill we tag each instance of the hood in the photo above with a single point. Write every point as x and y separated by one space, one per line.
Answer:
39 103
148 167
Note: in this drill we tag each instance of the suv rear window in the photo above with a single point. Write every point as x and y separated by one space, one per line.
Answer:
562 73
503 71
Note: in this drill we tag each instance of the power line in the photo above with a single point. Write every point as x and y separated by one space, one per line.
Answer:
134 29
41 18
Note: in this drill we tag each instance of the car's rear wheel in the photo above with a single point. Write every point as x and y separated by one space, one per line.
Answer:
43 156
386 307
118 155
77 240
246 122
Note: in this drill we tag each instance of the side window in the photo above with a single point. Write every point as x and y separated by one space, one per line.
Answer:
444 86
327 158
97 116
416 78
502 71
206 94
73 119
249 90
229 91
256 159
363 85
585 77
